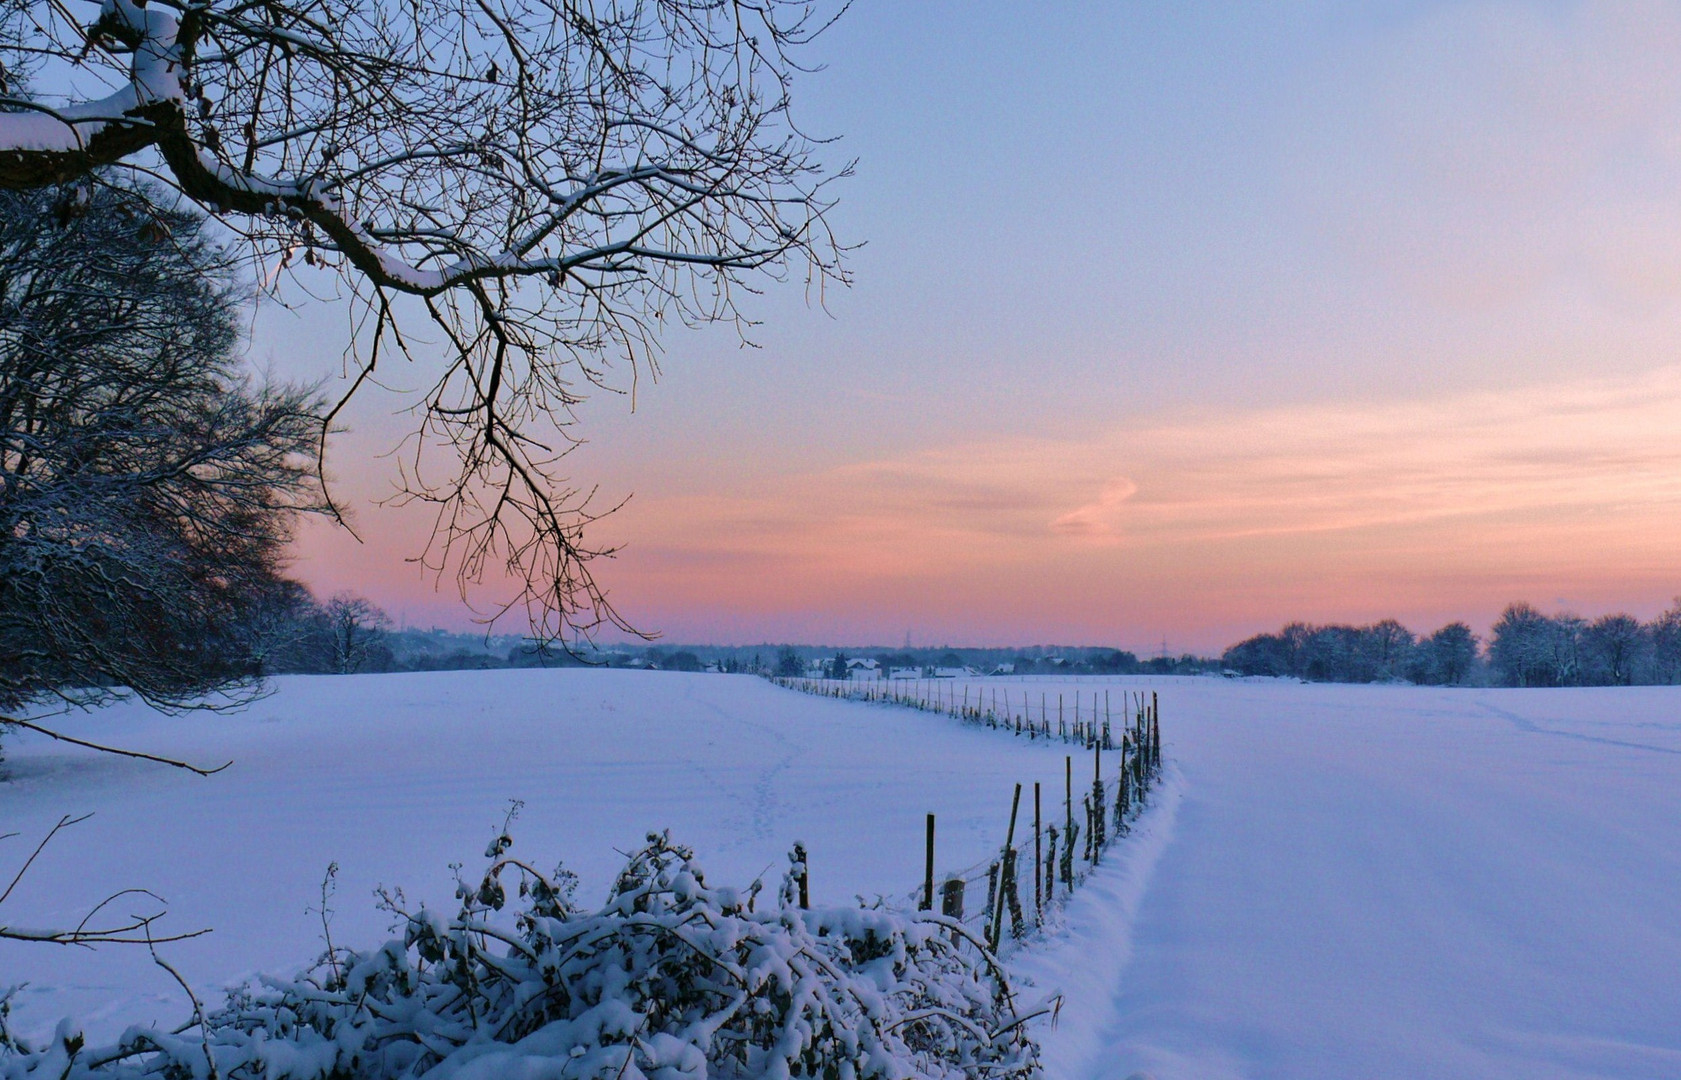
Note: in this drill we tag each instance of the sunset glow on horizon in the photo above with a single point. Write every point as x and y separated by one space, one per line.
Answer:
1232 318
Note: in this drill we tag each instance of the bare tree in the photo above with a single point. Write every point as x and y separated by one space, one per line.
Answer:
546 183
147 491
1618 649
1665 632
355 627
282 618
1450 654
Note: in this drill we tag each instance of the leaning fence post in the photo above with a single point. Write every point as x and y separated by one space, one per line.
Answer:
1012 895
1009 840
928 870
991 903
1122 796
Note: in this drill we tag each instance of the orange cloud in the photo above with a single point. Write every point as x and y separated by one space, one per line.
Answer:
1200 527
1221 516
1099 520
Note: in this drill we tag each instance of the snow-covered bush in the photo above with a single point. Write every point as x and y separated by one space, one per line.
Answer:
671 980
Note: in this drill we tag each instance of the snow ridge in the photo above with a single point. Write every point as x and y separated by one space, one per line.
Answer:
1085 956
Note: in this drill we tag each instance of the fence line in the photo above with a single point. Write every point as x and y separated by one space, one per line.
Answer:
1018 713
1095 816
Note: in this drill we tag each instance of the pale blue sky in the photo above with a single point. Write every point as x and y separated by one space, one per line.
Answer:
1087 220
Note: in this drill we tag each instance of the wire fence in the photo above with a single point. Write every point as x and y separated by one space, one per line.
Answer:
1065 716
1009 894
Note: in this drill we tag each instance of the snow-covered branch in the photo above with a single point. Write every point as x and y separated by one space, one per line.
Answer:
672 977
555 181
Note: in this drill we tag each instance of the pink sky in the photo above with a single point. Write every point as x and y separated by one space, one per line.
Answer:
1210 325
1199 528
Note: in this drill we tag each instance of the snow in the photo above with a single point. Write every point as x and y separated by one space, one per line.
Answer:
1395 882
396 776
1335 881
155 77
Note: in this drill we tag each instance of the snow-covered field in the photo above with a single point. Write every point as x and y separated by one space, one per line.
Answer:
1337 881
395 777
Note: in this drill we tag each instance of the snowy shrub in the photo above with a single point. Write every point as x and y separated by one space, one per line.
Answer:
671 980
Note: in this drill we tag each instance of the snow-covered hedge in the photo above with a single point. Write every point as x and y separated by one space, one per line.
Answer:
671 980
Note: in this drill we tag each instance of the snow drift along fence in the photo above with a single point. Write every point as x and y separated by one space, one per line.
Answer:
1093 815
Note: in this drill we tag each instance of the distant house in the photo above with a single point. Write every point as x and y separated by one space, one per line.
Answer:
816 669
1004 669
863 670
954 672
905 673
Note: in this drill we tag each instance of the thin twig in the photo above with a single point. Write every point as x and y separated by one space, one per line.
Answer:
63 823
198 1006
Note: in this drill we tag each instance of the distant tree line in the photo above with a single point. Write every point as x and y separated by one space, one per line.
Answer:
1525 647
1528 648
797 660
1385 651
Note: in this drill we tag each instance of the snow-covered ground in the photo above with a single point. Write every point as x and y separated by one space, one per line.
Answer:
394 777
1398 882
1336 881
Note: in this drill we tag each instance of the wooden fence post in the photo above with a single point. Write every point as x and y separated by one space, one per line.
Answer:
1098 818
1068 829
1050 866
951 898
928 870
1006 865
1038 900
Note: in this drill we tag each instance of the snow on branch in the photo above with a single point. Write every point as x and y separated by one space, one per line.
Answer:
672 977
553 182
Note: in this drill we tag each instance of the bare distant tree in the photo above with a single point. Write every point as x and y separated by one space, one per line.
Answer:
546 184
1617 648
355 627
1665 633
285 627
1527 648
1518 647
1389 646
1451 654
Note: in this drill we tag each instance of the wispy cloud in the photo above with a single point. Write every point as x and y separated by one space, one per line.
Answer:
1580 477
